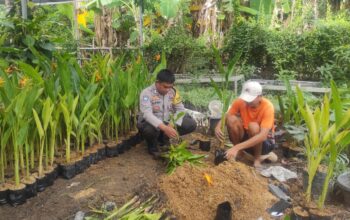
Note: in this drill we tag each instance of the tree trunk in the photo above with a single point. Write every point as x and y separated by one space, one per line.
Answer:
105 34
8 5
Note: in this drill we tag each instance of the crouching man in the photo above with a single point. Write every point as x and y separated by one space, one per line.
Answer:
157 103
250 125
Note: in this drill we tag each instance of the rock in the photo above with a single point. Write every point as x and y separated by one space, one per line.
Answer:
79 215
109 206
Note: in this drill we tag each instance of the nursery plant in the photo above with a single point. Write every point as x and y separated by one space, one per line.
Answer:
178 155
223 91
323 137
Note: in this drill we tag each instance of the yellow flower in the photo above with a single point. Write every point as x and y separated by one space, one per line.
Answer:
147 21
138 60
157 57
98 77
82 17
10 69
53 66
23 82
208 179
2 81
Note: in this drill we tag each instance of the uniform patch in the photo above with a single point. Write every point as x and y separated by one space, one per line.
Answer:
155 98
177 98
145 99
156 108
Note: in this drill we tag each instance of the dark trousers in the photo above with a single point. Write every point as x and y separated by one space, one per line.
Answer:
154 136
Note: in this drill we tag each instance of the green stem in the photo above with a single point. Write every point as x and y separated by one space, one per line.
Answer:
21 159
2 165
52 145
16 158
68 146
41 153
27 159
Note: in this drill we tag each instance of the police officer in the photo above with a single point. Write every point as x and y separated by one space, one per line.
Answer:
157 103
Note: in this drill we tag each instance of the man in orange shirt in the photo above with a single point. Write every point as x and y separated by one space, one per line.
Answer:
250 125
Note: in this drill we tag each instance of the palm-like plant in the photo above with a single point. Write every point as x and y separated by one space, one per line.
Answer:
223 91
323 137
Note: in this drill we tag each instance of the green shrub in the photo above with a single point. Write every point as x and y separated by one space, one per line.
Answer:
184 53
309 54
248 37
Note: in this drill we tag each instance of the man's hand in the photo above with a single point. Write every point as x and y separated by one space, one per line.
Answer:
218 132
232 153
168 130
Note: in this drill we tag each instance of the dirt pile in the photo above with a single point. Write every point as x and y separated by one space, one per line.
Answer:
191 197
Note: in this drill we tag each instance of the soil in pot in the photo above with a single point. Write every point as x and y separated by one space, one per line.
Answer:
317 184
298 213
31 186
204 145
112 149
17 194
4 190
41 182
220 156
67 170
321 214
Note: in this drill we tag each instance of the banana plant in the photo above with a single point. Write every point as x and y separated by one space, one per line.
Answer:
222 91
323 137
42 124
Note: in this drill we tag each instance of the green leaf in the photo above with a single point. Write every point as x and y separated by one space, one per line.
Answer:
31 72
38 124
247 10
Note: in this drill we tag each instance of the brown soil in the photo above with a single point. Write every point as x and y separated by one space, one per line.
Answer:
191 197
114 179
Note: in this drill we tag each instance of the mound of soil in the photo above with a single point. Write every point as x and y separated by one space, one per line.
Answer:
190 196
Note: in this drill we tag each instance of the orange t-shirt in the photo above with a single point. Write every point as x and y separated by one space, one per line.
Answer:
263 114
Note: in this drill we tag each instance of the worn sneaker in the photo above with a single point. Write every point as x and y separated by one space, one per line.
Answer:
272 157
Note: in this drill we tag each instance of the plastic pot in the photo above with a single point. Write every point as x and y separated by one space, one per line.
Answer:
81 165
51 174
41 183
93 157
223 211
204 145
317 184
298 213
67 171
31 186
101 153
111 150
317 214
3 194
343 181
126 145
220 156
17 195
135 139
212 124
121 148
